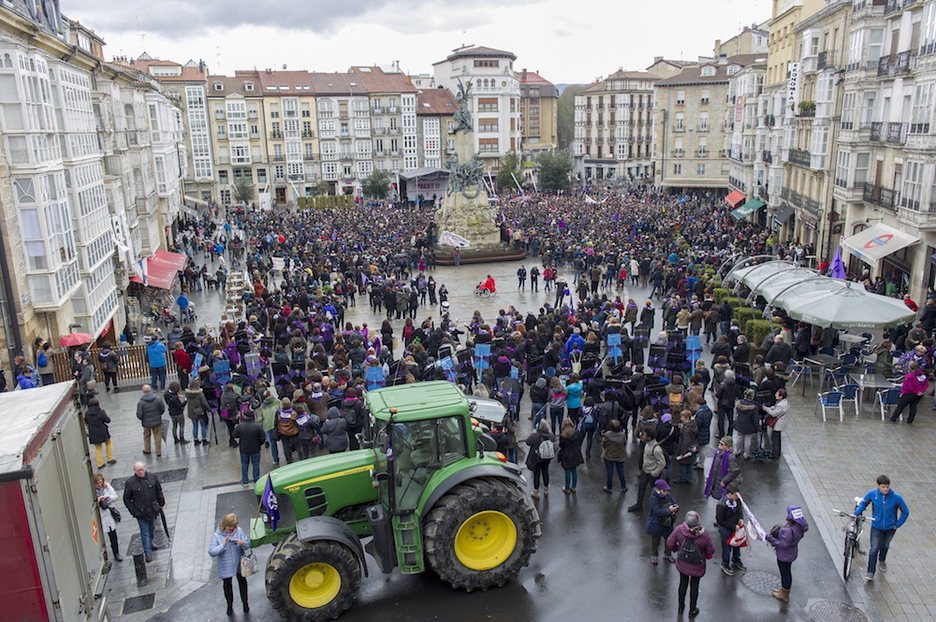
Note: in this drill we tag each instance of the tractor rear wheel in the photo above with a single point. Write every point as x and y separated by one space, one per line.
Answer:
312 581
481 533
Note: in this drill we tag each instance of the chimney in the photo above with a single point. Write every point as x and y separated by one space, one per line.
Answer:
657 59
722 59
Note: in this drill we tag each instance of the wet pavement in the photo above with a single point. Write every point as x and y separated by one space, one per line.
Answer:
593 560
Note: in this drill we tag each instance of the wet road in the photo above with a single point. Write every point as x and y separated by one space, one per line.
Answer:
593 559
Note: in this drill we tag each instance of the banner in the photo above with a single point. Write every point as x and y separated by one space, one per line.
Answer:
614 345
451 239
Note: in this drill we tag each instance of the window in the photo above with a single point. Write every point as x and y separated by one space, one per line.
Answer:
848 111
488 145
913 183
487 104
677 169
867 109
708 70
928 40
678 147
842 164
703 147
236 110
488 125
820 141
862 161
875 46
486 63
274 111
680 122
680 97
261 176
705 96
922 109
703 121
237 131
700 168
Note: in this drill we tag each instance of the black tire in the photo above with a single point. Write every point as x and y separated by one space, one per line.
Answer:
290 557
443 522
849 556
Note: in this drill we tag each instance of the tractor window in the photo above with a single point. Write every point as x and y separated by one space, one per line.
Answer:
452 439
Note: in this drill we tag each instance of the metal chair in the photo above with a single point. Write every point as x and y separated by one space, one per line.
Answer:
851 392
827 350
830 399
889 398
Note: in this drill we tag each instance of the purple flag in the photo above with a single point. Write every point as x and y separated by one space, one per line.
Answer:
561 224
838 267
617 217
269 502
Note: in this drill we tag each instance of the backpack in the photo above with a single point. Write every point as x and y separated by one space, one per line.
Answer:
350 415
689 552
589 420
546 449
42 362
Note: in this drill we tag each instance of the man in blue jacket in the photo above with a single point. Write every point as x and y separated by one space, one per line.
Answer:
156 354
890 512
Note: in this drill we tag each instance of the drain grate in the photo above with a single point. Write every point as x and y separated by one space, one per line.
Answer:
136 604
165 477
761 582
834 611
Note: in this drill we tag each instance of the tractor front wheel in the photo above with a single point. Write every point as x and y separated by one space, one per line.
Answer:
481 533
312 581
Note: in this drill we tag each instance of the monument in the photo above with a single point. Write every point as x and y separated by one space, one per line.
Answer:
465 210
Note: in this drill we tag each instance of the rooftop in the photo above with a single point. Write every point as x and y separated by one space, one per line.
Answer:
477 51
435 102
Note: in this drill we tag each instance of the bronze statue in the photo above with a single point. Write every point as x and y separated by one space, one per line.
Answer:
463 114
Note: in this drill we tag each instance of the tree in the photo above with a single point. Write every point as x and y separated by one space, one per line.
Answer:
565 118
244 191
555 170
376 185
320 188
509 168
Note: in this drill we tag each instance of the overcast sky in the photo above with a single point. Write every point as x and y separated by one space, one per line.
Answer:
567 41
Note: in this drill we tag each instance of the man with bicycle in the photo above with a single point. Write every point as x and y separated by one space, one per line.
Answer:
890 513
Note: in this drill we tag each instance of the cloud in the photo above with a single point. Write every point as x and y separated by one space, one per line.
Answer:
178 19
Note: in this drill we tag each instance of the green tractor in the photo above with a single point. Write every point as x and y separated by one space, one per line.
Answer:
427 487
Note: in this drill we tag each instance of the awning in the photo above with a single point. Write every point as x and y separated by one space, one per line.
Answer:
782 213
194 200
734 198
161 269
748 208
878 241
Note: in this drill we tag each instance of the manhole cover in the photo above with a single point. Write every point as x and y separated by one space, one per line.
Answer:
137 604
761 582
832 611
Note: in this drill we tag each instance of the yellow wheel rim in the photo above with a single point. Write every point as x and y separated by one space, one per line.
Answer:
485 540
315 585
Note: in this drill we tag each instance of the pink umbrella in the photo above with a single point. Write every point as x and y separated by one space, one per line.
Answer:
75 339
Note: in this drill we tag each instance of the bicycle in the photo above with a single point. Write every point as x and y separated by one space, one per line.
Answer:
853 531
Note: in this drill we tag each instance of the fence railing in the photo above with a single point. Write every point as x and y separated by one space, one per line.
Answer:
134 364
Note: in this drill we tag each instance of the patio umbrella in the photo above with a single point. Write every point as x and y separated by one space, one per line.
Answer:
75 339
848 307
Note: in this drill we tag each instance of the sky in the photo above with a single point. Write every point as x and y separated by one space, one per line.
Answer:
567 42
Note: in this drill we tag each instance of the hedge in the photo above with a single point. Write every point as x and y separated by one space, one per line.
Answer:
743 315
756 330
719 293
734 301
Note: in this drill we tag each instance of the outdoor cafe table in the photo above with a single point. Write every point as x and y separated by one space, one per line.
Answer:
822 362
848 340
871 381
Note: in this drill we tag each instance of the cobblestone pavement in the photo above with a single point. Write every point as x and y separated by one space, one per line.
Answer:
831 462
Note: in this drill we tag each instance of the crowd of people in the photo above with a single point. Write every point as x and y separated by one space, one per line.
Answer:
291 377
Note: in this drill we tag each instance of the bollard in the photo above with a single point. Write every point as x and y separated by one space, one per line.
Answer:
139 566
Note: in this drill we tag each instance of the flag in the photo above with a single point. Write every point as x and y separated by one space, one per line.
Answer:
838 267
617 217
269 503
561 224
755 531
588 199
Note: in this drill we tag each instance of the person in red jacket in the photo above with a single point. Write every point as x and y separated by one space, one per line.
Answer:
914 385
690 560
489 284
183 363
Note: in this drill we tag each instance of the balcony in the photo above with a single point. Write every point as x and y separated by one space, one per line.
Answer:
766 156
308 134
896 133
377 110
279 158
678 153
785 194
877 195
252 114
393 130
825 60
394 153
763 193
347 156
811 205
378 131
800 157
308 157
276 135
896 64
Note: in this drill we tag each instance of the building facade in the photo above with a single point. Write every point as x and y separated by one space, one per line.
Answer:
695 124
495 98
614 128
539 113
435 113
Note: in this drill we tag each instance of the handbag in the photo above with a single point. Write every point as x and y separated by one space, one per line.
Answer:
115 513
738 539
771 421
248 564
666 521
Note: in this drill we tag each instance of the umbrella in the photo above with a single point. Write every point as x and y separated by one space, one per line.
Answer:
75 339
848 307
838 267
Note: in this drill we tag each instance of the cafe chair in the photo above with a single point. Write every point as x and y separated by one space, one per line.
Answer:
850 393
830 399
889 398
